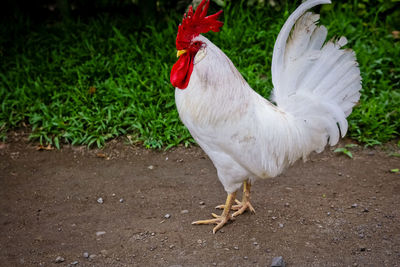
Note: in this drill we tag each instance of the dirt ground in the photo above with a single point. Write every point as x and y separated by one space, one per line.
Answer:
329 211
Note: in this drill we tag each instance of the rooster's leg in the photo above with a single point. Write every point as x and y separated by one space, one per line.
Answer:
220 220
245 204
242 206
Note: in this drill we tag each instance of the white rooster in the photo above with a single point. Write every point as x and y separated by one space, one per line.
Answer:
316 85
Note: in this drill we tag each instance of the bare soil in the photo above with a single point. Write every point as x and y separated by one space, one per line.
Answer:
329 211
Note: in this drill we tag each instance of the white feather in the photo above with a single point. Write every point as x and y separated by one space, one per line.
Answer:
328 75
315 88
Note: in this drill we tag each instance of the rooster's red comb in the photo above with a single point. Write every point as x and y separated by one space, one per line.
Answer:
194 24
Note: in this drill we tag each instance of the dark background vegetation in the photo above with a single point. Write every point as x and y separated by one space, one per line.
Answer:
84 72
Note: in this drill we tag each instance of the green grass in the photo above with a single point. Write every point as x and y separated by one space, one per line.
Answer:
86 81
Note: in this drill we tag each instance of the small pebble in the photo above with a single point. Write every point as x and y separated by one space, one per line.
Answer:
99 233
281 225
245 257
340 174
59 259
184 211
365 210
255 243
86 255
355 205
328 213
274 218
74 263
171 246
113 194
121 200
150 167
278 262
92 256
100 200
236 247
202 203
167 216
287 204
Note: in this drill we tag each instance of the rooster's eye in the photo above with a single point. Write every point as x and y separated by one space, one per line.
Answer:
197 44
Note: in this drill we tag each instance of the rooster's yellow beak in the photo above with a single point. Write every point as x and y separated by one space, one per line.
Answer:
180 52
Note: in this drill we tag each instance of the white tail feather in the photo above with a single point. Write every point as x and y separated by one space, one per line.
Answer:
316 83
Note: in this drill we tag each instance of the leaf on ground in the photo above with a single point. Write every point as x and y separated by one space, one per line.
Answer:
343 151
101 155
42 147
395 170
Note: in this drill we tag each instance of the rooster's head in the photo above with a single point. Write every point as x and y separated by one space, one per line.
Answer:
192 25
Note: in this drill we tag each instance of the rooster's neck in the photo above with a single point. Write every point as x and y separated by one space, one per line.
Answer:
216 91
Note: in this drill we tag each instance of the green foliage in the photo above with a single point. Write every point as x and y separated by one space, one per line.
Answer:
88 81
346 150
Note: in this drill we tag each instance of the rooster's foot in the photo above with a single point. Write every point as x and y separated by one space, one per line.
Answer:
240 207
220 220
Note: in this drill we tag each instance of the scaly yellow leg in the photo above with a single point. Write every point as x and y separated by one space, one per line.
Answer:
243 205
220 220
